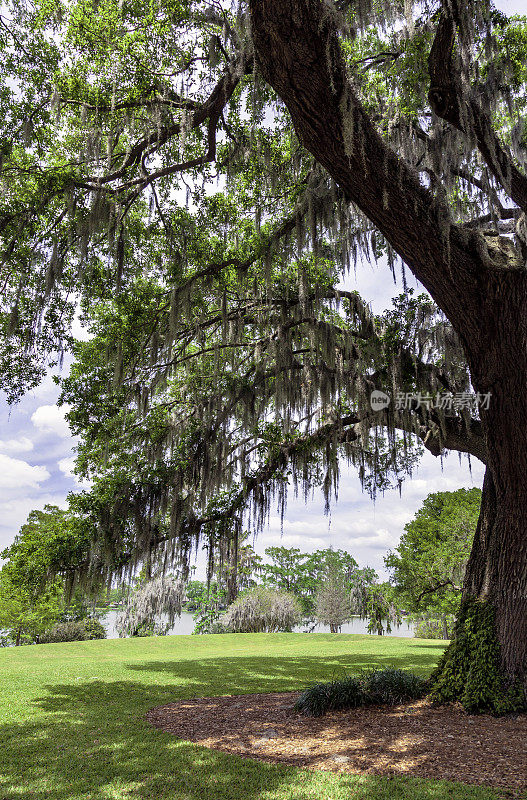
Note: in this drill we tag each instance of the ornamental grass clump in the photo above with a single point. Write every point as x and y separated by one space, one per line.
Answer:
333 696
389 686
392 686
262 610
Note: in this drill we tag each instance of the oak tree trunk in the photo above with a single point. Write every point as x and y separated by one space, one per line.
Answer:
497 569
496 572
496 575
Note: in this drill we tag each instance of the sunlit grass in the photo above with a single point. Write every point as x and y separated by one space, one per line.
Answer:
72 717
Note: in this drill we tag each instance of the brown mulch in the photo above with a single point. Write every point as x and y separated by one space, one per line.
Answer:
411 739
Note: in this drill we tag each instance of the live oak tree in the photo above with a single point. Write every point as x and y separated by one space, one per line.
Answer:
478 281
197 178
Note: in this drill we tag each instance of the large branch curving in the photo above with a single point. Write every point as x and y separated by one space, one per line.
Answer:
298 51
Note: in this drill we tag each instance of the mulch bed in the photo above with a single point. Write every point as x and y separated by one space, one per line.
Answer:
411 739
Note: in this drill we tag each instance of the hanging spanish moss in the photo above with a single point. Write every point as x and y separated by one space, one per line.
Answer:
153 607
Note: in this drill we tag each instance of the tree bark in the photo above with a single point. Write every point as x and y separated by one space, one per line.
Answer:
497 568
496 573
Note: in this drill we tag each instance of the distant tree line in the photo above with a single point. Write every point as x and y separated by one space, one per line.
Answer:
287 588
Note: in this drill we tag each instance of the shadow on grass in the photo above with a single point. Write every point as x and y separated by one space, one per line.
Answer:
90 741
239 675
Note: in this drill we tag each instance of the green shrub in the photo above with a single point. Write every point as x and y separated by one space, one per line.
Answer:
94 629
333 696
389 686
393 686
79 631
470 671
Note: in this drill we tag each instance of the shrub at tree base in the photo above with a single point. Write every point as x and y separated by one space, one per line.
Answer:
469 670
74 632
389 686
393 686
332 696
262 610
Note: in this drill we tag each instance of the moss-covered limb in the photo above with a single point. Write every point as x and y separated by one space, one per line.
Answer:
470 669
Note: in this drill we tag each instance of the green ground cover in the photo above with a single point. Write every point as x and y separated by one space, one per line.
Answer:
72 724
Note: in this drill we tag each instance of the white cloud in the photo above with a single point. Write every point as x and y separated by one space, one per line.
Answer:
77 328
18 474
66 466
21 445
47 390
50 419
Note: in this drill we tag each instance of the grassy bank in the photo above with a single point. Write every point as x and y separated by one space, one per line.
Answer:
72 723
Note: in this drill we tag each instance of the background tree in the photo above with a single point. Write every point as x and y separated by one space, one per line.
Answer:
52 543
40 570
209 601
26 616
376 602
428 565
224 357
332 601
151 609
288 569
262 610
302 573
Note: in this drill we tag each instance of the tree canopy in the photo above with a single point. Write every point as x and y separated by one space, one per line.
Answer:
428 565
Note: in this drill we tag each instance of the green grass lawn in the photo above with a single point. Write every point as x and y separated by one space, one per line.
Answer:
72 717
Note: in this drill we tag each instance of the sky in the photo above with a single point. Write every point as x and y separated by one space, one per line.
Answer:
37 455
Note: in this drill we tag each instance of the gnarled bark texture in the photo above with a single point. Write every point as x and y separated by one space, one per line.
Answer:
497 570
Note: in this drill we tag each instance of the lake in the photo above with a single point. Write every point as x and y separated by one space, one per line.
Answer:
185 625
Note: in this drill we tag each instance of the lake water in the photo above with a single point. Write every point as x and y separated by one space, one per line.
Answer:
185 625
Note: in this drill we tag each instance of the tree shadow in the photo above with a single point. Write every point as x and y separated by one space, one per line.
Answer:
244 674
90 740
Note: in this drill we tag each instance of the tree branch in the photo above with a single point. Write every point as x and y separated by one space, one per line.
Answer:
436 587
449 102
298 51
210 109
